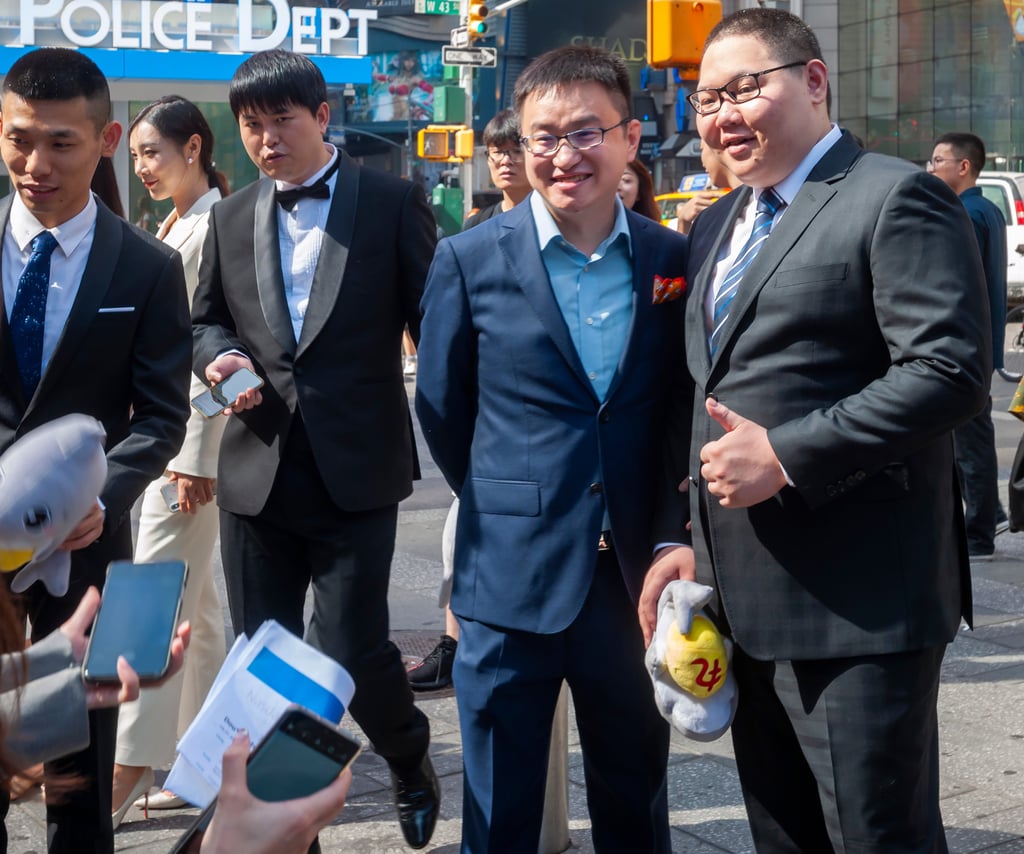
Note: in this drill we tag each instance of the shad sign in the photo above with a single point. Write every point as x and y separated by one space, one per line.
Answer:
243 27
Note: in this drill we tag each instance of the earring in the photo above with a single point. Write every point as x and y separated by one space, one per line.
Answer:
190 161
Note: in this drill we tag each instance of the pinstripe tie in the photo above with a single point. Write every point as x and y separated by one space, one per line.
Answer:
29 312
767 206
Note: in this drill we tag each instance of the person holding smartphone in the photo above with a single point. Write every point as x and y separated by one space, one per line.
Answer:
171 145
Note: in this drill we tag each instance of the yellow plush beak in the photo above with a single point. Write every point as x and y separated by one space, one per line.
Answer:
12 559
697 662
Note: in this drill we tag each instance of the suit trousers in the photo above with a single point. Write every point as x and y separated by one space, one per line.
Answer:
975 443
79 821
507 684
840 754
300 538
148 728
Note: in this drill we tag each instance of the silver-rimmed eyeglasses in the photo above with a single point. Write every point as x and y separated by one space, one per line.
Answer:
739 90
513 155
547 144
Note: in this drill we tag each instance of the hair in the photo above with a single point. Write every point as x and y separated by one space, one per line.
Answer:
576 64
178 119
503 129
272 80
967 146
104 185
783 33
645 203
60 74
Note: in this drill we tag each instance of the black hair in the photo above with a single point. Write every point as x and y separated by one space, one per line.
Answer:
503 129
966 146
646 204
564 66
785 35
178 120
60 74
272 80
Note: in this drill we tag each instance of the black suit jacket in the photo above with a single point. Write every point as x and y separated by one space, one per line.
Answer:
859 338
344 375
128 368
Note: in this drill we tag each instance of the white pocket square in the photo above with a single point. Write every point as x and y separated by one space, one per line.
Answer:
116 309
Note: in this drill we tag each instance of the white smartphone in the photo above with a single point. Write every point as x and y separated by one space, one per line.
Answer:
169 491
219 397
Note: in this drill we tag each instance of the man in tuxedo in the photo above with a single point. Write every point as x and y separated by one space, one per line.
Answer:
837 331
308 279
96 321
551 340
958 159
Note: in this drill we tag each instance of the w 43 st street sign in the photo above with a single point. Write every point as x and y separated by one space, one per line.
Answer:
436 7
478 57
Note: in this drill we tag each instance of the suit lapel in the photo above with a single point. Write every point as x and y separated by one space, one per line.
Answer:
330 266
520 245
269 280
8 360
697 355
99 271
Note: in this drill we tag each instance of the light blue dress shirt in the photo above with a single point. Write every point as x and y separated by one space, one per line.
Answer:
595 294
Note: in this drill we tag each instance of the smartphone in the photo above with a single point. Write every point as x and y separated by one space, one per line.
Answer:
219 397
169 492
300 755
138 619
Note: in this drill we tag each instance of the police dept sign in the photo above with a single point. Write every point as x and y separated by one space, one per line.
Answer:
244 27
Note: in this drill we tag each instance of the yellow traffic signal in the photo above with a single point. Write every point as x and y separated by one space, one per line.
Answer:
451 143
677 30
475 23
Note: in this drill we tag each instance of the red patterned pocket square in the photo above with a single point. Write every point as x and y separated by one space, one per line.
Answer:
666 290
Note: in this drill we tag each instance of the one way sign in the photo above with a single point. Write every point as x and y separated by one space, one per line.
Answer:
479 57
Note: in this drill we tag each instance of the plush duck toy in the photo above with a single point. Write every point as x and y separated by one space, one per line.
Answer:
49 479
688 660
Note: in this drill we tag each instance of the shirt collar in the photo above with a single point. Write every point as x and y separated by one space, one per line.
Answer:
789 186
25 227
547 228
284 185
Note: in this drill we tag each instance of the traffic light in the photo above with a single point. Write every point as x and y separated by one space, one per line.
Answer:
476 24
464 144
677 30
451 143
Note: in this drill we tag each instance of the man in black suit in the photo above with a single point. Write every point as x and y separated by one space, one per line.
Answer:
308 279
106 334
837 331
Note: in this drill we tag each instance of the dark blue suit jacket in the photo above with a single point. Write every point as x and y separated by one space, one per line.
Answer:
519 433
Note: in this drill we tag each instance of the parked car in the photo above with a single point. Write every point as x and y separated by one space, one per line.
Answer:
692 184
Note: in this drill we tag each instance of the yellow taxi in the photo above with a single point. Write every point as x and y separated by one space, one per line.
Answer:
698 182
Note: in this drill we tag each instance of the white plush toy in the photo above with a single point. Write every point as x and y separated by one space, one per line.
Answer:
689 662
49 479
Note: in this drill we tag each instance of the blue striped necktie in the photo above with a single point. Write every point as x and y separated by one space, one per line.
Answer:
29 313
767 206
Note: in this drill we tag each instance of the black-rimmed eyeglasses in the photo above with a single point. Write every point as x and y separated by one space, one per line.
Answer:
514 155
739 90
547 144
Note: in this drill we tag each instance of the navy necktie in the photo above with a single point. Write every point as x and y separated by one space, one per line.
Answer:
767 206
29 313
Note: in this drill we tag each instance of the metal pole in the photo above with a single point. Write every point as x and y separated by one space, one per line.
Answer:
466 84
554 828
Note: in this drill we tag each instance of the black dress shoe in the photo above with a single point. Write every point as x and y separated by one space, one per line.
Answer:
418 798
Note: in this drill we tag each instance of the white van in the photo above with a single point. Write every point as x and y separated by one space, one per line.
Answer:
1006 191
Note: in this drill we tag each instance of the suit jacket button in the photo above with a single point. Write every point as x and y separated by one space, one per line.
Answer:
604 417
596 489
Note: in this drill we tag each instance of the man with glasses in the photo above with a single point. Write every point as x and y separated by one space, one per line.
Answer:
549 347
836 333
957 159
505 161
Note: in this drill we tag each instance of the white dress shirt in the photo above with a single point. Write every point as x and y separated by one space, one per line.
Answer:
67 264
300 233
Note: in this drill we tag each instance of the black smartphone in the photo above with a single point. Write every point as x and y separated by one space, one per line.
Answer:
138 618
300 755
219 397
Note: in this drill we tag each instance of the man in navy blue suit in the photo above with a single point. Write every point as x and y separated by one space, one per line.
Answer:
550 341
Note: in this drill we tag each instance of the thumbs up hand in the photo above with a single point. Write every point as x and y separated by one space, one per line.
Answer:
741 468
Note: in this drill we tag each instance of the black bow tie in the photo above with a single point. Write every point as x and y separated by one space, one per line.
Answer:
317 190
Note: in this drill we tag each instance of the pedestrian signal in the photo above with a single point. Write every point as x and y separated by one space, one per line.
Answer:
677 31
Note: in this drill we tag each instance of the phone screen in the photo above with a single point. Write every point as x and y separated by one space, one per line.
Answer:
301 755
137 619
222 395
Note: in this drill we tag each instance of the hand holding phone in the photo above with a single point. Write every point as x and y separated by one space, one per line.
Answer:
137 619
223 395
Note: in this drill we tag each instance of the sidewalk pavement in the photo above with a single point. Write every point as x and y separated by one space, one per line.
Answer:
981 718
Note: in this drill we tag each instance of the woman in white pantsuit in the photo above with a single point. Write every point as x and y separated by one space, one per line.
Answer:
172 147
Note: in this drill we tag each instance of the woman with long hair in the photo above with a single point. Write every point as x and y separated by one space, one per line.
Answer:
636 189
171 145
